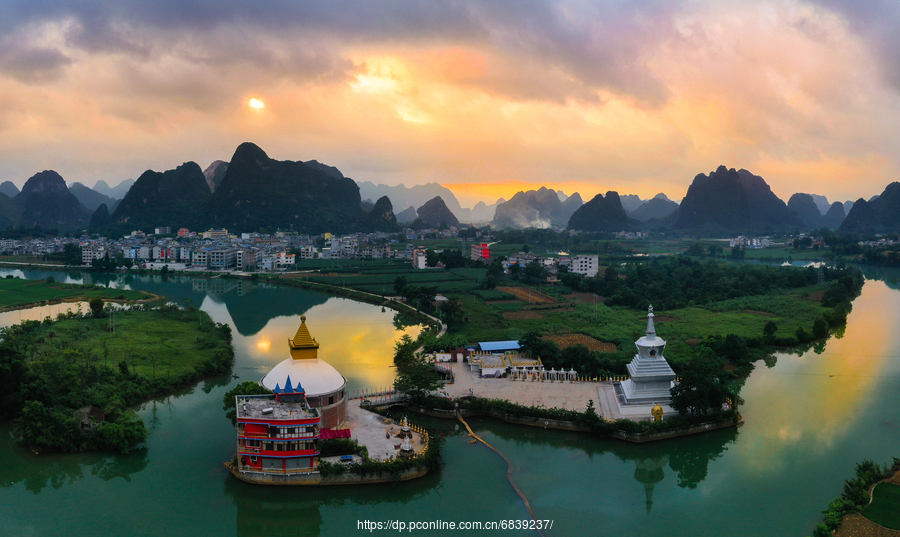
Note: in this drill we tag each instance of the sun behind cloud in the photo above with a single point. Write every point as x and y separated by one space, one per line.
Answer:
256 103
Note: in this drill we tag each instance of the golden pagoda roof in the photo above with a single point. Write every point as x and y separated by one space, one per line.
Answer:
302 339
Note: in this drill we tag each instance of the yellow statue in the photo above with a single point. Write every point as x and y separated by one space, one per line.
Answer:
657 412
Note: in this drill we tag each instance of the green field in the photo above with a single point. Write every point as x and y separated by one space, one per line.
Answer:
17 293
885 506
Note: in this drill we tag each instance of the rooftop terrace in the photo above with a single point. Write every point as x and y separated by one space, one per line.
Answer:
267 407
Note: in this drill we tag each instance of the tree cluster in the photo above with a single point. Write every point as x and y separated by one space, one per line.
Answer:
43 391
415 376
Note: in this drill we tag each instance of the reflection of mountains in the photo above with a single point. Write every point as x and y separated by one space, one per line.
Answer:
889 275
250 305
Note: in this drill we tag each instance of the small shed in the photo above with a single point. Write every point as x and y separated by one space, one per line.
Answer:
90 417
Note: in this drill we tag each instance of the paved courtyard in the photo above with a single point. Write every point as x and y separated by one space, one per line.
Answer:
376 432
559 394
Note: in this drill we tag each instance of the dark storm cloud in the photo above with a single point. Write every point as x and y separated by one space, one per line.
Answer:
876 22
584 46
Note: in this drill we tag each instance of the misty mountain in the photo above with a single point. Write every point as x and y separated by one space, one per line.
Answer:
46 201
9 188
118 192
879 215
407 215
600 214
435 213
415 196
821 203
540 208
215 173
660 206
91 198
630 202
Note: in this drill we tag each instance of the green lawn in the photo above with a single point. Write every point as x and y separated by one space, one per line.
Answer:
16 292
885 506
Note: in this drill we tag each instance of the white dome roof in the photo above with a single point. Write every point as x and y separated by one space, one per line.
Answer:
316 376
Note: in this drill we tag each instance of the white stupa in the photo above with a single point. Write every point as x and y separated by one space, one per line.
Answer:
651 377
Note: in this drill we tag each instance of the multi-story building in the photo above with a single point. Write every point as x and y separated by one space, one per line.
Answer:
223 259
215 234
277 434
200 258
481 252
284 259
586 265
90 253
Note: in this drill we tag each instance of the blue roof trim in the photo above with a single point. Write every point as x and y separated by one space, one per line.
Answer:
510 345
277 389
288 388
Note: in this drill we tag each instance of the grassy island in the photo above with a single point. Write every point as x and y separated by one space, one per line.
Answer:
70 383
17 293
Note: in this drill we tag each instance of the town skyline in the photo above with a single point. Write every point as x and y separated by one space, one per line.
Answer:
486 99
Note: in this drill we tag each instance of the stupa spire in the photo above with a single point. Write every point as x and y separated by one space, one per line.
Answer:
303 345
651 330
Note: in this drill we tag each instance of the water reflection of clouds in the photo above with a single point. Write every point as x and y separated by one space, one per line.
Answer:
808 404
357 339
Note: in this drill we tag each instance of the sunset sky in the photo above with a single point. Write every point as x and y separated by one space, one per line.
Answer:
486 98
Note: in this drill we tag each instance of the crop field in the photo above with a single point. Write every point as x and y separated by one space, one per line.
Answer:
489 295
529 295
568 340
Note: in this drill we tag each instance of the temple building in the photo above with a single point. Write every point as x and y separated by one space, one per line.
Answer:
323 386
651 378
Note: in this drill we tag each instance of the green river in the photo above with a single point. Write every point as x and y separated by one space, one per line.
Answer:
809 419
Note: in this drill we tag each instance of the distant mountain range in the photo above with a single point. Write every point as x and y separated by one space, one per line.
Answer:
660 206
253 192
880 214
118 192
91 198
